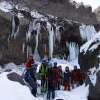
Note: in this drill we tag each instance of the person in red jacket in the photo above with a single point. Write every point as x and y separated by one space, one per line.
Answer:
76 76
56 75
29 62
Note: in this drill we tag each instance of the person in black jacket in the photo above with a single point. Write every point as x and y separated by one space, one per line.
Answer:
50 82
67 77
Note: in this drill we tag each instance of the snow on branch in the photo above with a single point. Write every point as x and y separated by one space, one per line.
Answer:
92 44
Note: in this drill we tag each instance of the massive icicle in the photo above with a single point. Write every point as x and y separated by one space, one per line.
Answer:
28 34
15 26
36 54
73 51
32 26
51 39
87 32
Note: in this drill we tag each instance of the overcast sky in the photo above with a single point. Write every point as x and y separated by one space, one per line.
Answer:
93 3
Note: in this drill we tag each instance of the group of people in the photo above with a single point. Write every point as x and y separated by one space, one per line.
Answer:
52 77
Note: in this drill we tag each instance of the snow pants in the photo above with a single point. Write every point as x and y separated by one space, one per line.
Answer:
43 84
66 86
51 90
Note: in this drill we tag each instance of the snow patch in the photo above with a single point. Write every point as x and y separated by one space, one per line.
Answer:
5 6
99 56
77 94
65 63
13 90
93 75
92 44
10 66
36 14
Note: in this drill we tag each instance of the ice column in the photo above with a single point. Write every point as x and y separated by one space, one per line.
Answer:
51 39
87 32
73 51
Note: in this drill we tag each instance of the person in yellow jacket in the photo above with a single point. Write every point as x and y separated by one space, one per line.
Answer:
43 73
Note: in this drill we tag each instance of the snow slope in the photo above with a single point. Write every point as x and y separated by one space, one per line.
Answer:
10 90
15 91
76 94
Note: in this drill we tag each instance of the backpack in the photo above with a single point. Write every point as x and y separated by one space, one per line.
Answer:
26 76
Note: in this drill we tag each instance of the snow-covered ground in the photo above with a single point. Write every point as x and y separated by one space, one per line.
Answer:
15 91
10 90
77 94
65 63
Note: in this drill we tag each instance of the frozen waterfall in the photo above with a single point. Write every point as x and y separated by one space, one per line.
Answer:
36 54
34 26
51 39
73 52
87 32
28 34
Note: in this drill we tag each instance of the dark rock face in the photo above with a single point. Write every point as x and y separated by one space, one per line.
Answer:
97 87
10 51
61 8
87 61
97 12
94 91
97 27
70 33
15 77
